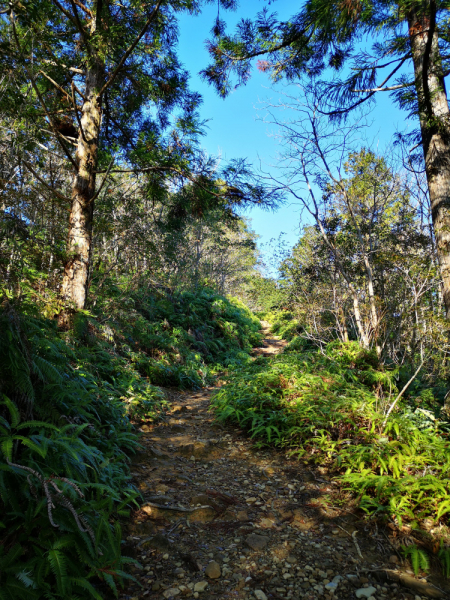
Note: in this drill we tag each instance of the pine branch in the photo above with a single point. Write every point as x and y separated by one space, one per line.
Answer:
130 49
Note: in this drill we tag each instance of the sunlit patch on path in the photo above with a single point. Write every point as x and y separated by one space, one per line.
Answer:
270 345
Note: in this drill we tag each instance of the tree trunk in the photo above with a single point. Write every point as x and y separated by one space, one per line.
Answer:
434 124
342 321
372 302
363 337
79 245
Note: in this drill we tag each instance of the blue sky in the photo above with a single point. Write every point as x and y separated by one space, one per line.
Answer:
234 130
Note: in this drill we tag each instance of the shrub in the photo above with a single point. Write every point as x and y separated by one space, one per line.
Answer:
182 339
64 478
67 401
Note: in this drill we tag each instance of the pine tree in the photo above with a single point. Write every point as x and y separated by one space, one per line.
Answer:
98 81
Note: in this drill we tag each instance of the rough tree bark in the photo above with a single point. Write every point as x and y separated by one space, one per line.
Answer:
76 271
79 245
435 129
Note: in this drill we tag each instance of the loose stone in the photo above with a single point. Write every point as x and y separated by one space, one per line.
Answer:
213 570
257 542
365 592
200 586
393 559
171 593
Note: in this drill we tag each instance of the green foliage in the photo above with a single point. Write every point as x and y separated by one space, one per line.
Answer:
264 295
181 339
444 556
67 401
298 344
418 557
325 36
324 405
283 323
64 480
361 364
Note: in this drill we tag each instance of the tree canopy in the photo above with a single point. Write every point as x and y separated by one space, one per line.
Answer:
98 87
369 45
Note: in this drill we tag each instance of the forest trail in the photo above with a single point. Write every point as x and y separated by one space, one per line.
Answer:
223 520
271 345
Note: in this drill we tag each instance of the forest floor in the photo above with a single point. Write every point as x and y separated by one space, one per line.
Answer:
225 520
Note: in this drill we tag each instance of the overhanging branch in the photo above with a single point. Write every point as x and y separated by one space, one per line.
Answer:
131 48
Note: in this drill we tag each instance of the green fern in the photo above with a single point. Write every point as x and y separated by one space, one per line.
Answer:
418 557
83 584
444 556
58 566
65 407
61 562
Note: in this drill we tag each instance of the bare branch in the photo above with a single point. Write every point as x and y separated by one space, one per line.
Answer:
39 178
52 81
76 113
67 14
103 182
63 66
369 92
385 89
405 387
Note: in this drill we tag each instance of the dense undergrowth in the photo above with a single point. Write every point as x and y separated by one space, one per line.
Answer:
181 339
330 407
283 323
68 404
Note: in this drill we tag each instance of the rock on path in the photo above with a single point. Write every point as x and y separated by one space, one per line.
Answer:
222 520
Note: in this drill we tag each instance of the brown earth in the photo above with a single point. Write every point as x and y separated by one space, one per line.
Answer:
224 520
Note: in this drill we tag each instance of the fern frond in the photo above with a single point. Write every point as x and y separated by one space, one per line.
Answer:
13 410
444 556
25 578
58 565
11 558
418 557
110 581
46 371
16 590
84 584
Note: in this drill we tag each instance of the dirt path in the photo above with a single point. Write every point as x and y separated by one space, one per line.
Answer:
270 345
223 520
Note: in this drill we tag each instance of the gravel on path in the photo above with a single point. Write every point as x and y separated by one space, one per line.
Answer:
223 520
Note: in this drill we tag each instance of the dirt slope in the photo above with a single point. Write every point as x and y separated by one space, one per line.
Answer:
223 520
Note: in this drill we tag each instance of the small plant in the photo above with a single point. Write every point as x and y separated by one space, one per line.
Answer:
418 557
64 475
444 556
184 339
283 324
67 406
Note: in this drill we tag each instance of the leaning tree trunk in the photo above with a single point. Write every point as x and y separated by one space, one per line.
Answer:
79 246
435 128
